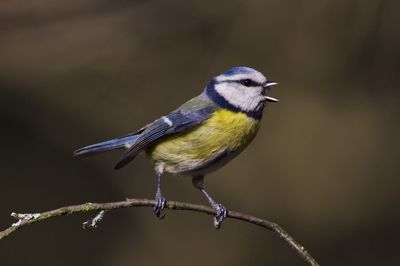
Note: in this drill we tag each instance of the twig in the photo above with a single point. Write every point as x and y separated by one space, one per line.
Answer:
30 218
92 223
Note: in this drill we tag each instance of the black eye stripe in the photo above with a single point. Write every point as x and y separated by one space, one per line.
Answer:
249 83
245 82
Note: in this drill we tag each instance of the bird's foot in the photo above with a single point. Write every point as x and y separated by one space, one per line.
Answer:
220 215
159 206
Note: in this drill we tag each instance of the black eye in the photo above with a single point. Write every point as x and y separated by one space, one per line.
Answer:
247 82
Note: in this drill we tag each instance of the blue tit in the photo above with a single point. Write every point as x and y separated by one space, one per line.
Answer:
201 135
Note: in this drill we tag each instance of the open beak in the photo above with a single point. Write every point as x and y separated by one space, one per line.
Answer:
267 86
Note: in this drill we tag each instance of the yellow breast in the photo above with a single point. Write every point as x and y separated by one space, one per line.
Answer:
224 131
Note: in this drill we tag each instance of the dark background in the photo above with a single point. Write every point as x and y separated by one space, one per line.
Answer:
324 164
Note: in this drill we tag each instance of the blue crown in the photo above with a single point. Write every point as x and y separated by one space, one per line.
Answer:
238 70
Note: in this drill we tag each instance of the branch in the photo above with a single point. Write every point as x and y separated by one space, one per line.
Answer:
101 208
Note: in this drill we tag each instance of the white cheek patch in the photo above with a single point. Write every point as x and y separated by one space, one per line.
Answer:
245 98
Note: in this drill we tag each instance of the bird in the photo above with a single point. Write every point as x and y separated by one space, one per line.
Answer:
201 135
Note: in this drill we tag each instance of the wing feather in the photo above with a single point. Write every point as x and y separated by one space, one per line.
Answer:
175 122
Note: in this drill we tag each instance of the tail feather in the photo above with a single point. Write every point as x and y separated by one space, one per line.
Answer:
121 142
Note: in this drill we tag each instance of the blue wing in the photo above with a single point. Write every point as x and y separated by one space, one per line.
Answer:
177 121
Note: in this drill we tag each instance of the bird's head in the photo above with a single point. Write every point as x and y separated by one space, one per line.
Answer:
241 89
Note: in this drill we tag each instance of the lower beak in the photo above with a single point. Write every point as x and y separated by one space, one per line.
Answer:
267 86
271 99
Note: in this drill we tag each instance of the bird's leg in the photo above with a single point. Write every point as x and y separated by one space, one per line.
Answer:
198 182
160 200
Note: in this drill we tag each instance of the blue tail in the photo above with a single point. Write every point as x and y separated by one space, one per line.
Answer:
107 145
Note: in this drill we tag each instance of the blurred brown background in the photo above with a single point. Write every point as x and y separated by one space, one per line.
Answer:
324 165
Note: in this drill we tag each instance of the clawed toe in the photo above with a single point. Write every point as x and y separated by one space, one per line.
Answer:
220 215
159 206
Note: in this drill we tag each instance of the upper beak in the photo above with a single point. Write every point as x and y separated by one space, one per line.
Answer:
269 84
266 86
